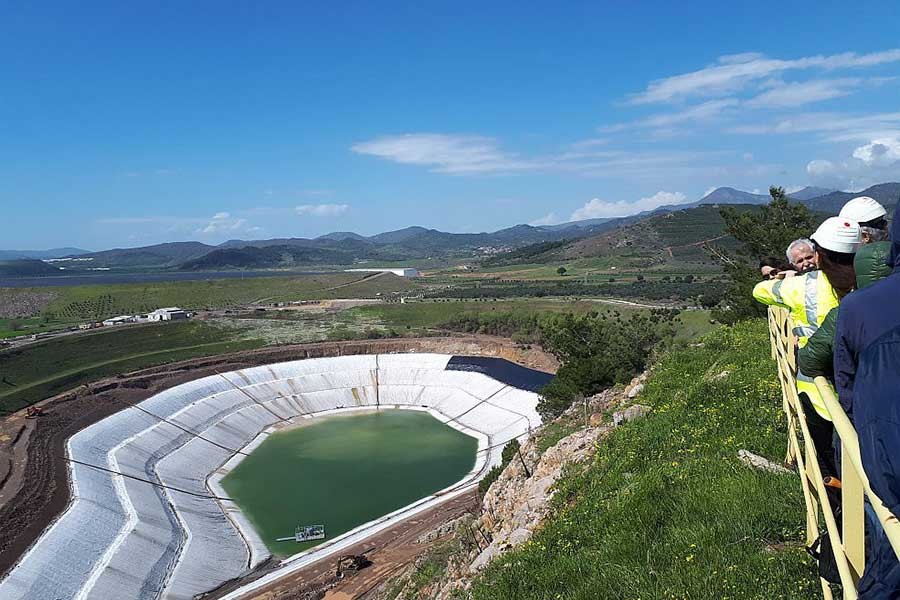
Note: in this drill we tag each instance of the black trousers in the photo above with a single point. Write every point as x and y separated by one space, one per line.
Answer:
822 433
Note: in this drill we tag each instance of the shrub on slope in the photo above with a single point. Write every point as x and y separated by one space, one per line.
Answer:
666 510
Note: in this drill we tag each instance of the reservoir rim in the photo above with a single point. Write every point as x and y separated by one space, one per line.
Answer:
258 550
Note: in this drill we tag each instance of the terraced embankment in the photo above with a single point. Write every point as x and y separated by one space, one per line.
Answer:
146 448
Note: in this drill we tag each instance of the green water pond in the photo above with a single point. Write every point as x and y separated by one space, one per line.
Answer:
343 471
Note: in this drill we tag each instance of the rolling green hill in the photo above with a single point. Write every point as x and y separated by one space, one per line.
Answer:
671 238
158 256
886 193
26 267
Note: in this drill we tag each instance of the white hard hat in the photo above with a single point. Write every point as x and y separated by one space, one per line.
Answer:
838 234
863 209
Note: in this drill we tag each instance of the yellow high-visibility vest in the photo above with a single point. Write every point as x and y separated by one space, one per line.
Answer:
810 298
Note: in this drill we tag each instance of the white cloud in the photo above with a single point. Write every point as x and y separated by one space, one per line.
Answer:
322 210
837 127
734 72
663 122
874 162
819 168
882 152
701 112
596 208
222 223
710 190
445 153
805 92
548 219
743 57
473 155
589 143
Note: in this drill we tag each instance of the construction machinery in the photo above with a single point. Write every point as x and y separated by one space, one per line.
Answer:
33 412
350 564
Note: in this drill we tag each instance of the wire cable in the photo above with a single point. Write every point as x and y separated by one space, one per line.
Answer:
153 483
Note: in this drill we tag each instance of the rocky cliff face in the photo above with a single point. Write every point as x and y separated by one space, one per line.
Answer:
518 502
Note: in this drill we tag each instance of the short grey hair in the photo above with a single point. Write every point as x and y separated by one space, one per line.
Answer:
796 244
875 234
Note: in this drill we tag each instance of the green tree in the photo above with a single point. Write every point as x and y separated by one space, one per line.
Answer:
509 451
761 233
561 271
596 352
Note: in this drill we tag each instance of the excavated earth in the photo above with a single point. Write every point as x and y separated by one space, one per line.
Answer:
34 482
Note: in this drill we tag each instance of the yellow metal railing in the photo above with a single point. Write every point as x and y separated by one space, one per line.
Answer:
848 539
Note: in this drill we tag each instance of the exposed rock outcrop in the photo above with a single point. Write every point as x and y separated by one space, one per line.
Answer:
518 502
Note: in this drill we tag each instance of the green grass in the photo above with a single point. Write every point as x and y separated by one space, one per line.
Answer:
432 314
555 431
420 317
37 371
27 326
95 302
666 510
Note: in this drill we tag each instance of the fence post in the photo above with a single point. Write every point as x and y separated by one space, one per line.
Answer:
853 515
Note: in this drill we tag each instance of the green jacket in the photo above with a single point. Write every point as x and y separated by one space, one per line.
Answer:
817 356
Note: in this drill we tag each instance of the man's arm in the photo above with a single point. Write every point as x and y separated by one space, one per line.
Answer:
771 292
816 358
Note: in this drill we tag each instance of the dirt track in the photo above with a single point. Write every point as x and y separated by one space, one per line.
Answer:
390 551
34 485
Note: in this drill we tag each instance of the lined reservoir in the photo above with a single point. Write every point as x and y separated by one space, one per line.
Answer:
343 471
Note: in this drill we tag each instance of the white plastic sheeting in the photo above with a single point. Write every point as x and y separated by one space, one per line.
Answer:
124 537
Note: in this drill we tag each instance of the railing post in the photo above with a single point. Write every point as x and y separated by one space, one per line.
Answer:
853 515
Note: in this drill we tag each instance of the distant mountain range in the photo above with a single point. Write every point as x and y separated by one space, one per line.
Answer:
343 248
810 192
727 195
886 193
40 254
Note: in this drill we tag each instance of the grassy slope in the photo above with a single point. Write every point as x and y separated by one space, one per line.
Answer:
666 510
38 371
430 315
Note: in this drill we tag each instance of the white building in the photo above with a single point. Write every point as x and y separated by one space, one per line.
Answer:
172 313
401 272
120 320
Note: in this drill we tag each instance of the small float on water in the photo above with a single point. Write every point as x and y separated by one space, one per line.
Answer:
305 533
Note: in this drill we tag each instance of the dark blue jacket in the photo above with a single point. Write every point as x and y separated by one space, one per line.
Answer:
877 415
866 315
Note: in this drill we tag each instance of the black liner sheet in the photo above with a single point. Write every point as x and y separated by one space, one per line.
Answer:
502 370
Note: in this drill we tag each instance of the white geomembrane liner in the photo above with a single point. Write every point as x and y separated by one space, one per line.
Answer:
124 537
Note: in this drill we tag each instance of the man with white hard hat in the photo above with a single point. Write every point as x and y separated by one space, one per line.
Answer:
871 216
810 297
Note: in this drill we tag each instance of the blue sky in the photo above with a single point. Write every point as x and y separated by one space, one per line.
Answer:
131 123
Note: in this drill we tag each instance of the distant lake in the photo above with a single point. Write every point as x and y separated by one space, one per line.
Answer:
106 277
